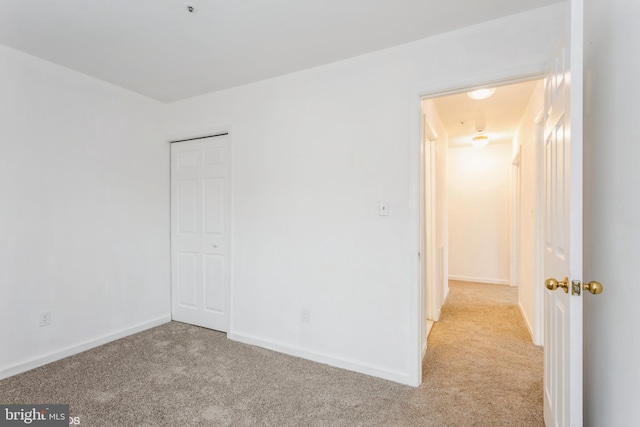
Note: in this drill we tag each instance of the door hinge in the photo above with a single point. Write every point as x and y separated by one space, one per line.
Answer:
576 287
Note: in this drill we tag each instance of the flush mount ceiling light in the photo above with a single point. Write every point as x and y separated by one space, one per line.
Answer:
481 93
480 141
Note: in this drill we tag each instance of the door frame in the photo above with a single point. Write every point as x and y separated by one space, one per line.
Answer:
538 327
515 193
428 222
416 171
196 134
430 206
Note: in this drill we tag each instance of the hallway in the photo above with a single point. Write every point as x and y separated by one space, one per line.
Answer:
481 367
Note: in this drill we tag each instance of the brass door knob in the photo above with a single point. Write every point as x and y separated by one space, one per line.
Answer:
553 284
593 287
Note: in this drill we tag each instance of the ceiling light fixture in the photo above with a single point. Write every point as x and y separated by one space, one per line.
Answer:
481 93
480 141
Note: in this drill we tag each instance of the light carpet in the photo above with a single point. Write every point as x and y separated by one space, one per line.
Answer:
481 369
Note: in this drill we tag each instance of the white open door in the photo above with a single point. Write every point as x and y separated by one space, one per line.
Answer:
562 160
200 232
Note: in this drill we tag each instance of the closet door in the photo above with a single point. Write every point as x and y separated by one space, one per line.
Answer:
200 226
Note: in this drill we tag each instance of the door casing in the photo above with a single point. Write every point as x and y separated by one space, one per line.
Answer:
417 291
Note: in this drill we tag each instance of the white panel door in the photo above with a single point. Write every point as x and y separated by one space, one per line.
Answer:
200 225
562 160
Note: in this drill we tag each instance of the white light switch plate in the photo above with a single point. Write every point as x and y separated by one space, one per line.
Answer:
383 208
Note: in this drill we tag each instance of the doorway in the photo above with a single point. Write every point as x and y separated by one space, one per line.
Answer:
510 122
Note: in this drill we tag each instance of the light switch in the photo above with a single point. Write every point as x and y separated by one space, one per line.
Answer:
383 208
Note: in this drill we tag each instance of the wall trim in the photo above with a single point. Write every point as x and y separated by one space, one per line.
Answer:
526 322
480 280
53 356
424 349
338 362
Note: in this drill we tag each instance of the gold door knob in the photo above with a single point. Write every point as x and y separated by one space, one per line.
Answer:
593 287
553 284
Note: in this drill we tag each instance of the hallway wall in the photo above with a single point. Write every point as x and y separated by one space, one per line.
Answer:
478 191
441 234
529 248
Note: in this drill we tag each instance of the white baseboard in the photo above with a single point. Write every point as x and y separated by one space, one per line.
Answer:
338 362
526 322
424 349
53 356
438 313
480 280
430 324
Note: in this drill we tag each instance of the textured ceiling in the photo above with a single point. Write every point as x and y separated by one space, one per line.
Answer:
157 48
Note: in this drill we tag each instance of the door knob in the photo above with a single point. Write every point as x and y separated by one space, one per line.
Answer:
593 287
553 284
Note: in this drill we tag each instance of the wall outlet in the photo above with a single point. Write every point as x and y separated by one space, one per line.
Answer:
45 318
306 315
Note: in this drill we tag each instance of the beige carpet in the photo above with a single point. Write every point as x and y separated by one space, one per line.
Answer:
481 370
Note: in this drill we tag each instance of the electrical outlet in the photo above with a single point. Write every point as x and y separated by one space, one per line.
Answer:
306 315
45 318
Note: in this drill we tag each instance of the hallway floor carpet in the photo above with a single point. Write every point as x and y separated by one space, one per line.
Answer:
481 369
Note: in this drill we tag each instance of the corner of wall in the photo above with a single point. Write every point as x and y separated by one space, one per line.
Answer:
79 348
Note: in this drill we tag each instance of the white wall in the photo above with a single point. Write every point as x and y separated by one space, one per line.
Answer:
611 213
313 153
84 222
478 191
529 278
440 238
